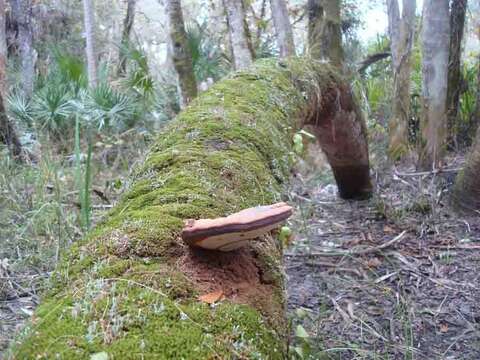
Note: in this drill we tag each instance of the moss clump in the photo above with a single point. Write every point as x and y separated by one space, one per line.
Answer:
128 319
121 289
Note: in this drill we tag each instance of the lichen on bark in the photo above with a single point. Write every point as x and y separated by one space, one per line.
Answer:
131 287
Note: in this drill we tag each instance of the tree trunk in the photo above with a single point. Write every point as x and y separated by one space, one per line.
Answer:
89 22
457 25
127 28
260 21
435 51
239 34
8 136
182 59
466 193
401 30
3 49
325 31
131 288
283 28
22 13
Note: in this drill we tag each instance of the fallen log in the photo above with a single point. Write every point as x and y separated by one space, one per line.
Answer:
132 288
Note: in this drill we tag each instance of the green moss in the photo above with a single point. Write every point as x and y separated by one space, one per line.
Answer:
114 268
129 321
121 291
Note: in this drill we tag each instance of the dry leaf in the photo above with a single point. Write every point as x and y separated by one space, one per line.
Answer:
388 230
443 328
353 242
374 262
212 297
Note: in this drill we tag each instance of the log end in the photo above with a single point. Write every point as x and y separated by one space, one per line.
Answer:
353 181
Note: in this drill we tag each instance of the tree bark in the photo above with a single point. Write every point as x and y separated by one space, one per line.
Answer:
89 23
457 25
239 34
466 193
435 51
127 28
131 288
3 49
283 28
260 20
8 136
182 59
325 31
401 29
22 13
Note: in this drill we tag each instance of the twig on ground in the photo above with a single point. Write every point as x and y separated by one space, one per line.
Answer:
364 251
424 173
458 247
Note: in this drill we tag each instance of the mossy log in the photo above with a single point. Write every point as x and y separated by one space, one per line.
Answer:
130 289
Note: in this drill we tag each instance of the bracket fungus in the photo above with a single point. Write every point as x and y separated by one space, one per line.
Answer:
234 231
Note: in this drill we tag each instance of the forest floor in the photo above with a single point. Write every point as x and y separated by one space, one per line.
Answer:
395 277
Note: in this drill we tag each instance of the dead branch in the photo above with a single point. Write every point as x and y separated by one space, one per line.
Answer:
372 59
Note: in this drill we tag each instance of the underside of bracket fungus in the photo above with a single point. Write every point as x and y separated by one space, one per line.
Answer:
132 288
234 231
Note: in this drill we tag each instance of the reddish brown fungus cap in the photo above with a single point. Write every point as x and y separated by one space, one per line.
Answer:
234 231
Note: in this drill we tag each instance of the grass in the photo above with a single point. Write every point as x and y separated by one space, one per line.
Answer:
34 220
47 205
83 183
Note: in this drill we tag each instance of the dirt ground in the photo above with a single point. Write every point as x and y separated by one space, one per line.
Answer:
395 277
18 300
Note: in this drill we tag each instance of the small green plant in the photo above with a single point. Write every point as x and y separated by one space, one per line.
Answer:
208 58
51 108
20 108
70 69
138 78
105 107
303 348
83 180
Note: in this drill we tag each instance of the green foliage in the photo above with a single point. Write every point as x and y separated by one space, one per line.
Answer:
265 47
466 125
20 108
62 95
351 21
37 223
83 182
70 69
377 82
51 108
208 59
104 107
138 78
